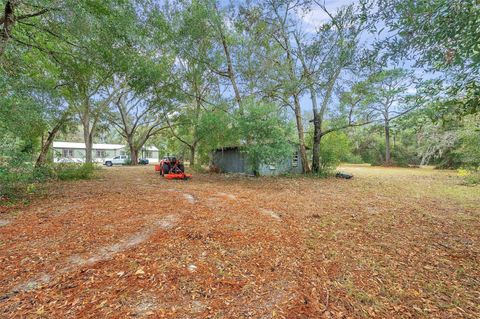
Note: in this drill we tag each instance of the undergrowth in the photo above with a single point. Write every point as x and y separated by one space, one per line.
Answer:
470 177
18 181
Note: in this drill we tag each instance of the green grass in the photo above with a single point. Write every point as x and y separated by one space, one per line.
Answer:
418 182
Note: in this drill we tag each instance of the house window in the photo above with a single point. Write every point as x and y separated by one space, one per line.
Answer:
67 153
101 154
148 154
295 160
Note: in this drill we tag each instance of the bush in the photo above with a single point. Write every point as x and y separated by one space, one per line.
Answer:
334 149
266 133
470 177
353 159
17 180
70 171
473 179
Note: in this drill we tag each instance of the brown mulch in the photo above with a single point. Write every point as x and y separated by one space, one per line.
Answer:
130 244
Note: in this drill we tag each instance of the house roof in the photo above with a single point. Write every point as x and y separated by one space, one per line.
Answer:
96 146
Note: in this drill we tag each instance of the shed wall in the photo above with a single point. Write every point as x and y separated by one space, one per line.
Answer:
233 161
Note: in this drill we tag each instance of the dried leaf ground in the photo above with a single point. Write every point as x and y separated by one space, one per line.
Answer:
391 243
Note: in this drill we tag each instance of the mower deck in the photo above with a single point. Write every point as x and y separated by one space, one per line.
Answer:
177 176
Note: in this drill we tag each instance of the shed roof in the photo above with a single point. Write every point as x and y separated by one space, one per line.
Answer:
235 148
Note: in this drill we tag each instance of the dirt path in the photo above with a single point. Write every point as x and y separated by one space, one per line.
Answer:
130 244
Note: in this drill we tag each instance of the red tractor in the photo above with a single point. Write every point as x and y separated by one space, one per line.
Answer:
172 168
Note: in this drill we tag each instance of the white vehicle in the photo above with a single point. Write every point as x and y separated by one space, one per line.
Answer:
117 160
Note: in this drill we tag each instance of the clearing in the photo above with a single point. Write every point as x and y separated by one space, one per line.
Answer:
390 243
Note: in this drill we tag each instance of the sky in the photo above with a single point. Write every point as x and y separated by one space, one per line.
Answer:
316 17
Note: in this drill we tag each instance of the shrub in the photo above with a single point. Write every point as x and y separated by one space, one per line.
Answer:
266 133
469 177
17 180
473 179
73 171
334 149
353 159
42 174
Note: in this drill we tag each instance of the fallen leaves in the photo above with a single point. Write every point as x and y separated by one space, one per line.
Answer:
241 248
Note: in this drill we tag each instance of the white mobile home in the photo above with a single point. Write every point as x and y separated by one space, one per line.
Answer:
75 152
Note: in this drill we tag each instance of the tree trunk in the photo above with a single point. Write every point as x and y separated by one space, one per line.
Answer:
317 120
297 110
88 148
42 157
231 72
8 22
317 133
387 143
192 155
87 137
133 150
133 155
301 134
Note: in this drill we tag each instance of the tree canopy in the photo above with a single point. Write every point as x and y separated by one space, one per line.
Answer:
397 79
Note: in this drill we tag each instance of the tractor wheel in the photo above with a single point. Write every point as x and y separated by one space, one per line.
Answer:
165 169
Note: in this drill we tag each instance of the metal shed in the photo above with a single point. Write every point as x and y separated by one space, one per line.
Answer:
233 160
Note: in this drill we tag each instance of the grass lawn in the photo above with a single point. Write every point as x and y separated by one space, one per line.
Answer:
390 243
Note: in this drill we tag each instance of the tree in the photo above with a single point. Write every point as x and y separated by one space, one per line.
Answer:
56 120
280 18
105 43
298 62
18 12
391 100
87 92
333 53
197 78
37 24
440 36
266 130
136 118
221 30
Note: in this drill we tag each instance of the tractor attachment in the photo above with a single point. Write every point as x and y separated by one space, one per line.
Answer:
177 176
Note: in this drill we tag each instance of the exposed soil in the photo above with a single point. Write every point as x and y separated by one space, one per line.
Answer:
389 243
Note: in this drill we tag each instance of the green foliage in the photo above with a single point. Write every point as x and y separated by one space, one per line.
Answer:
72 61
215 131
473 178
19 178
441 35
368 146
264 133
470 177
468 147
334 149
71 171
